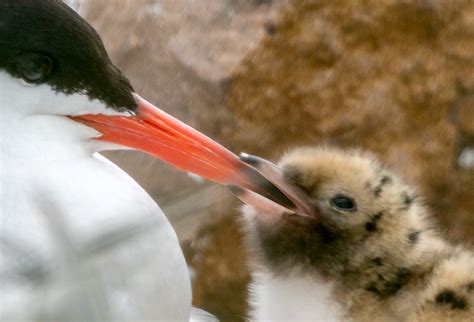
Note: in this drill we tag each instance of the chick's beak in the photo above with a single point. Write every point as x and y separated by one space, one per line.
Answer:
157 133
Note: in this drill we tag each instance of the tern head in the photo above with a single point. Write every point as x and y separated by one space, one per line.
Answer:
54 64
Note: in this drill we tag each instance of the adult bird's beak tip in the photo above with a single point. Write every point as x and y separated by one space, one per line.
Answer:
271 181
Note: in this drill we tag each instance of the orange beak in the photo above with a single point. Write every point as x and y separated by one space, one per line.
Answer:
155 132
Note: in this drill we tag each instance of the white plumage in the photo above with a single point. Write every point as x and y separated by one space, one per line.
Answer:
80 239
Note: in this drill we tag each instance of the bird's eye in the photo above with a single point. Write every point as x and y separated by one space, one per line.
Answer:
34 67
343 203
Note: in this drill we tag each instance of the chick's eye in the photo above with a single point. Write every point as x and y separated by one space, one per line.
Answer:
343 203
34 67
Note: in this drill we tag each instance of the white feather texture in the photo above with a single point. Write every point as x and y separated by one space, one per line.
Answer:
80 240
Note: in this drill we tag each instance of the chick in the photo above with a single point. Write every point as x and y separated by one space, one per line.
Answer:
368 252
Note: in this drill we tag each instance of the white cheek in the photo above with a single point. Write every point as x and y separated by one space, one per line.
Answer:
28 99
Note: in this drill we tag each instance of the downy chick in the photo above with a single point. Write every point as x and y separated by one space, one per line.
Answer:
368 252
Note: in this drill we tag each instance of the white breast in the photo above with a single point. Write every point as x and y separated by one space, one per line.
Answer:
296 297
98 236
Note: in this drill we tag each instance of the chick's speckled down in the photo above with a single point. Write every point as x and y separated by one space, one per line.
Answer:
372 245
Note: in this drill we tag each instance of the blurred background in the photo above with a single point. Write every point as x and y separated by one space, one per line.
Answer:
395 77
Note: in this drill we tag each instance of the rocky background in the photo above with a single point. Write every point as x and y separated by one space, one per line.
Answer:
392 76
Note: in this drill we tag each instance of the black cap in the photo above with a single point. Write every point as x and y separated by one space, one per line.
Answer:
45 41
